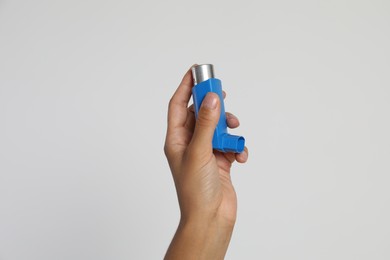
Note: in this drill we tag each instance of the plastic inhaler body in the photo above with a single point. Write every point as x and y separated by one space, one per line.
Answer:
205 82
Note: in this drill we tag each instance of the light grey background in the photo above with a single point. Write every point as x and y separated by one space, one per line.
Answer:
84 87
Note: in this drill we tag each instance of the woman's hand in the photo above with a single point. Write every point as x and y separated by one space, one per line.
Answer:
205 192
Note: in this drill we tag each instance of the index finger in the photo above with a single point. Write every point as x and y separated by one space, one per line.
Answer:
177 110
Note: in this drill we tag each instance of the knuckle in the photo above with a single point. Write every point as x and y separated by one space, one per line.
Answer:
171 102
167 150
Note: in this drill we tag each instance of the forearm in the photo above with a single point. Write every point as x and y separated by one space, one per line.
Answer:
203 239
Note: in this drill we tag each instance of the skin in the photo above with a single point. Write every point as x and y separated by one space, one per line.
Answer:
207 200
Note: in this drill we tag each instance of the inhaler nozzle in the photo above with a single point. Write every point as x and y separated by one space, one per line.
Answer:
233 143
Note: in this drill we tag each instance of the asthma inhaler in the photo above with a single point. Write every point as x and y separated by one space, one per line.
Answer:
204 82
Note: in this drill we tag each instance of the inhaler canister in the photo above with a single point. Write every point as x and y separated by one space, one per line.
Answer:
204 82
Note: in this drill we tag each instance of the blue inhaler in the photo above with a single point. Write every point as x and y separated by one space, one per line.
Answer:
205 82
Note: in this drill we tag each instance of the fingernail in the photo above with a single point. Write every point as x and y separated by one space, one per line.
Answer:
210 101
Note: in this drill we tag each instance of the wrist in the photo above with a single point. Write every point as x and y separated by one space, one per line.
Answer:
208 235
205 223
201 214
195 238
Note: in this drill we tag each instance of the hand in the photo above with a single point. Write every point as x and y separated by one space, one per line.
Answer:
205 192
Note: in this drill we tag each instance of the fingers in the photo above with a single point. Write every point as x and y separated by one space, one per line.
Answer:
192 109
190 121
229 158
177 110
231 120
208 117
242 157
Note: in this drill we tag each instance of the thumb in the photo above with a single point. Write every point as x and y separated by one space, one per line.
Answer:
206 122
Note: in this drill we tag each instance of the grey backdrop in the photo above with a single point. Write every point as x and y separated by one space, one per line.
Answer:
84 87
